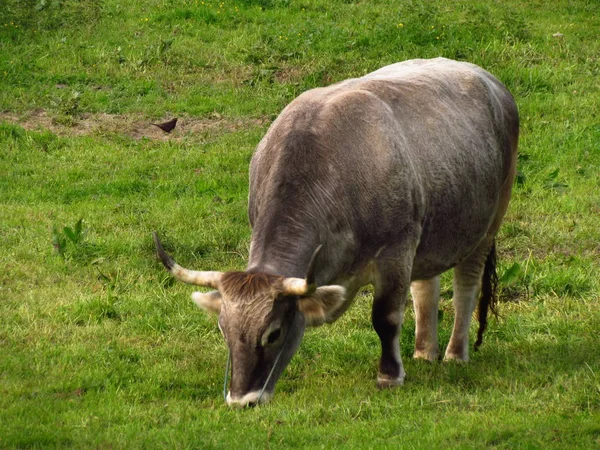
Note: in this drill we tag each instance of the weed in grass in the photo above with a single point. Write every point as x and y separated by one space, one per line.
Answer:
73 235
59 242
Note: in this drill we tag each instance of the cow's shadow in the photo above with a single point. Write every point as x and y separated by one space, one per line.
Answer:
539 361
533 364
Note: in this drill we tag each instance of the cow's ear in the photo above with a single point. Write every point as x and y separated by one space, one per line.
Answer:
320 307
210 301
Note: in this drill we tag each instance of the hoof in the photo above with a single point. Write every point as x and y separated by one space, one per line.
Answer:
458 351
386 382
429 356
455 357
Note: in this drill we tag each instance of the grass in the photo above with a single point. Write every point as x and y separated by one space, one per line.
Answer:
101 349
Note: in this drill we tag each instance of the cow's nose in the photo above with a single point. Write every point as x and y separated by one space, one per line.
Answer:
249 399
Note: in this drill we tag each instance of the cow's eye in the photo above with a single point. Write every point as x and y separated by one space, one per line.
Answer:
274 336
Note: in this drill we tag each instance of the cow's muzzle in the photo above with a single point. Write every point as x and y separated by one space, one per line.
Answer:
254 398
249 399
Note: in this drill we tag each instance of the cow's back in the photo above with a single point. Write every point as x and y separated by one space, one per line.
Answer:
416 150
460 126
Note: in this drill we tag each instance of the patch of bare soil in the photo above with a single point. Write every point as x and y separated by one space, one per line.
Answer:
292 74
133 126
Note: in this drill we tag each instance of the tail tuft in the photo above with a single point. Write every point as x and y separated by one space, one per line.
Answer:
489 297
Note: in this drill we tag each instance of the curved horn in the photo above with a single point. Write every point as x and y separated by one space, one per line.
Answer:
310 272
307 286
199 278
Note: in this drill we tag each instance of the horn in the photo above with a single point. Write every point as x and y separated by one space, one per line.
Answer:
298 286
310 272
199 278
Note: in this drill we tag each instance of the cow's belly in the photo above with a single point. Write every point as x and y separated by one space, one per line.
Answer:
448 239
425 268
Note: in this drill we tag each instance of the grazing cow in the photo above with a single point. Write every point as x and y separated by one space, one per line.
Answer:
390 179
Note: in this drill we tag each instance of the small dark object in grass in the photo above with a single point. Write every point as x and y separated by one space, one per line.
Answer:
168 126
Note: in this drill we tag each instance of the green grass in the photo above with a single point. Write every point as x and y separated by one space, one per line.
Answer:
101 349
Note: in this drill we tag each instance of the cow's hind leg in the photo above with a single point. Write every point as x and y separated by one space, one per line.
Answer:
426 297
387 316
466 284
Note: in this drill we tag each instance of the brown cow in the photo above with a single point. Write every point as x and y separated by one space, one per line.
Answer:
396 177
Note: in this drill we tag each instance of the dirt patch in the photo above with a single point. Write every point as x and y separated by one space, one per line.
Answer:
293 74
134 126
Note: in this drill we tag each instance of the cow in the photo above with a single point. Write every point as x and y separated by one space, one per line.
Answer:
389 179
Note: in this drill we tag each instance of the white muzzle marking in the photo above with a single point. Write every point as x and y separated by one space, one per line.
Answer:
249 398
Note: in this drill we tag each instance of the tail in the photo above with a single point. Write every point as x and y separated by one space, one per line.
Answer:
488 298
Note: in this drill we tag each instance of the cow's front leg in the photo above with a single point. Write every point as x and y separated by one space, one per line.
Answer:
387 316
426 298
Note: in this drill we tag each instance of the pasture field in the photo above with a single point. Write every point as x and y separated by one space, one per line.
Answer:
100 348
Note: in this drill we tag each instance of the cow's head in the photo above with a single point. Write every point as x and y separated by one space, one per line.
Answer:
262 318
